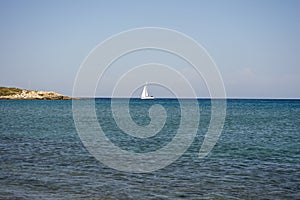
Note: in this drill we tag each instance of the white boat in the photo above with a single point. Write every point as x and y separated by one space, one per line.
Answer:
145 94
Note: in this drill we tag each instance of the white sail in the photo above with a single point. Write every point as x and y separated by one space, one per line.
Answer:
145 94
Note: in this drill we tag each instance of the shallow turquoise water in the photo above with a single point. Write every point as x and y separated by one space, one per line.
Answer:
256 157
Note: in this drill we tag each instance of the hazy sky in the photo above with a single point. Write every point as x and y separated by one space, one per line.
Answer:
255 44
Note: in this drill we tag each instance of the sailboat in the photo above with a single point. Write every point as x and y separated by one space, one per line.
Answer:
145 94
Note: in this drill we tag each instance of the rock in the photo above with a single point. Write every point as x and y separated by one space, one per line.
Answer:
16 93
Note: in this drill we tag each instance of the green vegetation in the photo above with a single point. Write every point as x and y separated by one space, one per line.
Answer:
4 91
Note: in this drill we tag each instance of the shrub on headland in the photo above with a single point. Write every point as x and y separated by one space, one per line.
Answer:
4 91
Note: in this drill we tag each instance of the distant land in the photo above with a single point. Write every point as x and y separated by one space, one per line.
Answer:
17 93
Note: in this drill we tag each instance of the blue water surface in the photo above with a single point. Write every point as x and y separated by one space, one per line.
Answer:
256 157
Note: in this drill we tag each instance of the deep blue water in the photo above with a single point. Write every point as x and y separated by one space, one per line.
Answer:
256 157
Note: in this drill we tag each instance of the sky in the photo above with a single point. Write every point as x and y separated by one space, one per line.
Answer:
255 44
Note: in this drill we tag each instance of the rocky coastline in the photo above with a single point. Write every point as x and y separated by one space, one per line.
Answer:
20 94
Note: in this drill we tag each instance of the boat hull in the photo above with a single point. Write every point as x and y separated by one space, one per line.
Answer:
147 97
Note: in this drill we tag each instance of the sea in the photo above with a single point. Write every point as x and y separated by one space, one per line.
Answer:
257 155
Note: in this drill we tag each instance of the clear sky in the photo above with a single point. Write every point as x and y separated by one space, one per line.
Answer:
255 44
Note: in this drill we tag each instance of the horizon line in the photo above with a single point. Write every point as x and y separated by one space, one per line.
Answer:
199 98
